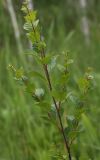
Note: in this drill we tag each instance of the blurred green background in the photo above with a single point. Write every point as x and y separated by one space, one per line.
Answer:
72 25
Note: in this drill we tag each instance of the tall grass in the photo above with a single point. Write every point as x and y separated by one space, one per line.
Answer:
23 133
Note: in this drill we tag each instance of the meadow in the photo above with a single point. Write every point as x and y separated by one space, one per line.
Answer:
24 134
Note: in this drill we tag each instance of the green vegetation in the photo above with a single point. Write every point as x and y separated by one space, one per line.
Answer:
24 133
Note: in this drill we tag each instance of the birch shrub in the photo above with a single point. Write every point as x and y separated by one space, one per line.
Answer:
48 83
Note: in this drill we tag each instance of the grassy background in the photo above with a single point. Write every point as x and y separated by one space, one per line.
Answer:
23 133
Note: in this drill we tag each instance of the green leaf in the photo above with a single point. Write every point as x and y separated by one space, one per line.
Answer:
42 45
74 99
19 73
59 95
36 46
31 17
79 112
68 95
46 59
83 84
34 74
70 61
67 131
24 9
64 78
45 106
34 37
53 62
61 67
70 120
35 23
30 88
73 134
28 26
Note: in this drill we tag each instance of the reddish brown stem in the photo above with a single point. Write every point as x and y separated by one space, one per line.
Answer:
57 107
